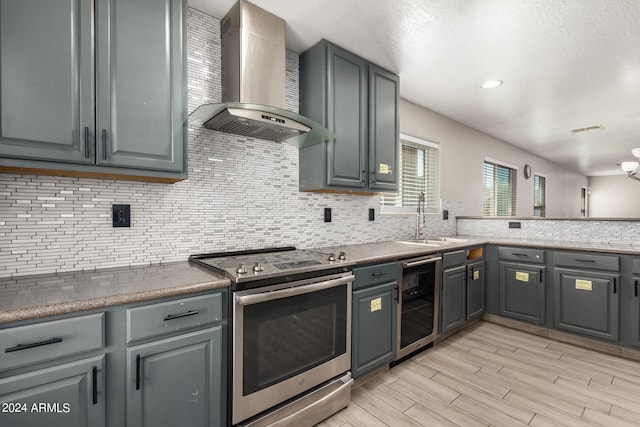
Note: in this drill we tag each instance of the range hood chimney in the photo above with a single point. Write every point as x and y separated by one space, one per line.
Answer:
253 82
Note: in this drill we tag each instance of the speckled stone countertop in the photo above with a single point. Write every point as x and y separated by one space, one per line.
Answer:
30 297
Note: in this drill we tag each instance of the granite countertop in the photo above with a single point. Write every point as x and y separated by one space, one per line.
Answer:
30 297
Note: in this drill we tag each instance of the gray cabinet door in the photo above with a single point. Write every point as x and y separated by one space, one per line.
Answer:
384 129
140 84
65 395
635 312
522 292
46 80
182 375
587 302
453 298
373 335
475 289
347 118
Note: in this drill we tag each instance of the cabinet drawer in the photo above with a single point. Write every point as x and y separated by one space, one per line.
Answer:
450 259
164 318
587 260
636 266
24 345
522 254
374 274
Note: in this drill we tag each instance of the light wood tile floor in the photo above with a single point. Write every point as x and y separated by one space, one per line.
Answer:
489 375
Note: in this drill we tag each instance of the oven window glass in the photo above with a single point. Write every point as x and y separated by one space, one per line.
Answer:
418 291
285 337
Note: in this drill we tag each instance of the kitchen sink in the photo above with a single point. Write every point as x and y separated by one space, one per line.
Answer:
434 241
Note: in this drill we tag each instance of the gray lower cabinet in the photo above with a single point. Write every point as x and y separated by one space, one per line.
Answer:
462 293
63 395
634 318
522 292
587 302
176 381
453 297
374 317
93 88
359 102
475 289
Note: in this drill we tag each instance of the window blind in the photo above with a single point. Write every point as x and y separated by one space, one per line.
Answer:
419 172
539 195
499 190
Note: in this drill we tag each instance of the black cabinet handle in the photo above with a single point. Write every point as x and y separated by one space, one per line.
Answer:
636 286
379 273
138 362
615 287
178 316
86 141
104 144
541 273
585 260
32 345
397 296
94 390
519 254
364 176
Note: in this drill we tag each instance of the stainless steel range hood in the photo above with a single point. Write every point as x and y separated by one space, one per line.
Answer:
253 82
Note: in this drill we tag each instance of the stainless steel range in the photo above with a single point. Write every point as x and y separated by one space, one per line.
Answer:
291 336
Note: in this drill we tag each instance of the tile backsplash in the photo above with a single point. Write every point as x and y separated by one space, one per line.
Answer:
241 193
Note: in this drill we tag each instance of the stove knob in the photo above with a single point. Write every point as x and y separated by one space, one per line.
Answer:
258 267
342 256
332 257
242 269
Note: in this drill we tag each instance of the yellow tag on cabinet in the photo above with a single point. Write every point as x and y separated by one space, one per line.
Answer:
376 304
523 277
584 285
384 168
476 275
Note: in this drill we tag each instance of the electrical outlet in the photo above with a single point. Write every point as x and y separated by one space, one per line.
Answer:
327 214
372 214
445 214
121 215
514 224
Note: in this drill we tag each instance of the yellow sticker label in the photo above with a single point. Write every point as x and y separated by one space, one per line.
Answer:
584 285
376 304
476 275
384 168
523 277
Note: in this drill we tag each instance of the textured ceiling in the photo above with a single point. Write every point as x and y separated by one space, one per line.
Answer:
565 64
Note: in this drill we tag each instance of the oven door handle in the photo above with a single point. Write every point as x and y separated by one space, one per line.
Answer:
420 262
289 292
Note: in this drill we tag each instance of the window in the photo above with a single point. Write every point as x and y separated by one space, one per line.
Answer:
539 195
419 172
499 190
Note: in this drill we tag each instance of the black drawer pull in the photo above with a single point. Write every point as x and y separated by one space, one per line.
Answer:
178 316
379 273
32 345
636 286
615 287
104 144
94 390
86 141
519 254
585 260
138 362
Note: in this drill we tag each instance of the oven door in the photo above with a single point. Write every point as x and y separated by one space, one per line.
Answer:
288 339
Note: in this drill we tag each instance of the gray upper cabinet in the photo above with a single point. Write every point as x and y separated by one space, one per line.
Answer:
358 101
55 55
46 80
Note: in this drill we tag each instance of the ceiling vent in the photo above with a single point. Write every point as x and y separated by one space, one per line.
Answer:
587 129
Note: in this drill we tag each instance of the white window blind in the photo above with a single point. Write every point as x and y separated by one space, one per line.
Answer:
499 190
419 172
539 195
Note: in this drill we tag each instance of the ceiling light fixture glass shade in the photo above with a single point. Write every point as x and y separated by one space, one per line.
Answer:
632 168
490 84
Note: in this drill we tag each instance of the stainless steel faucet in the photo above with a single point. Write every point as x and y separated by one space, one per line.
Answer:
420 218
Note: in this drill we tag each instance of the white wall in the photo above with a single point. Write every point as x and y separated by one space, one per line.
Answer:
463 150
614 196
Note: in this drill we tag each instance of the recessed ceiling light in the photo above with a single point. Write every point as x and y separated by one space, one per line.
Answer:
490 84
